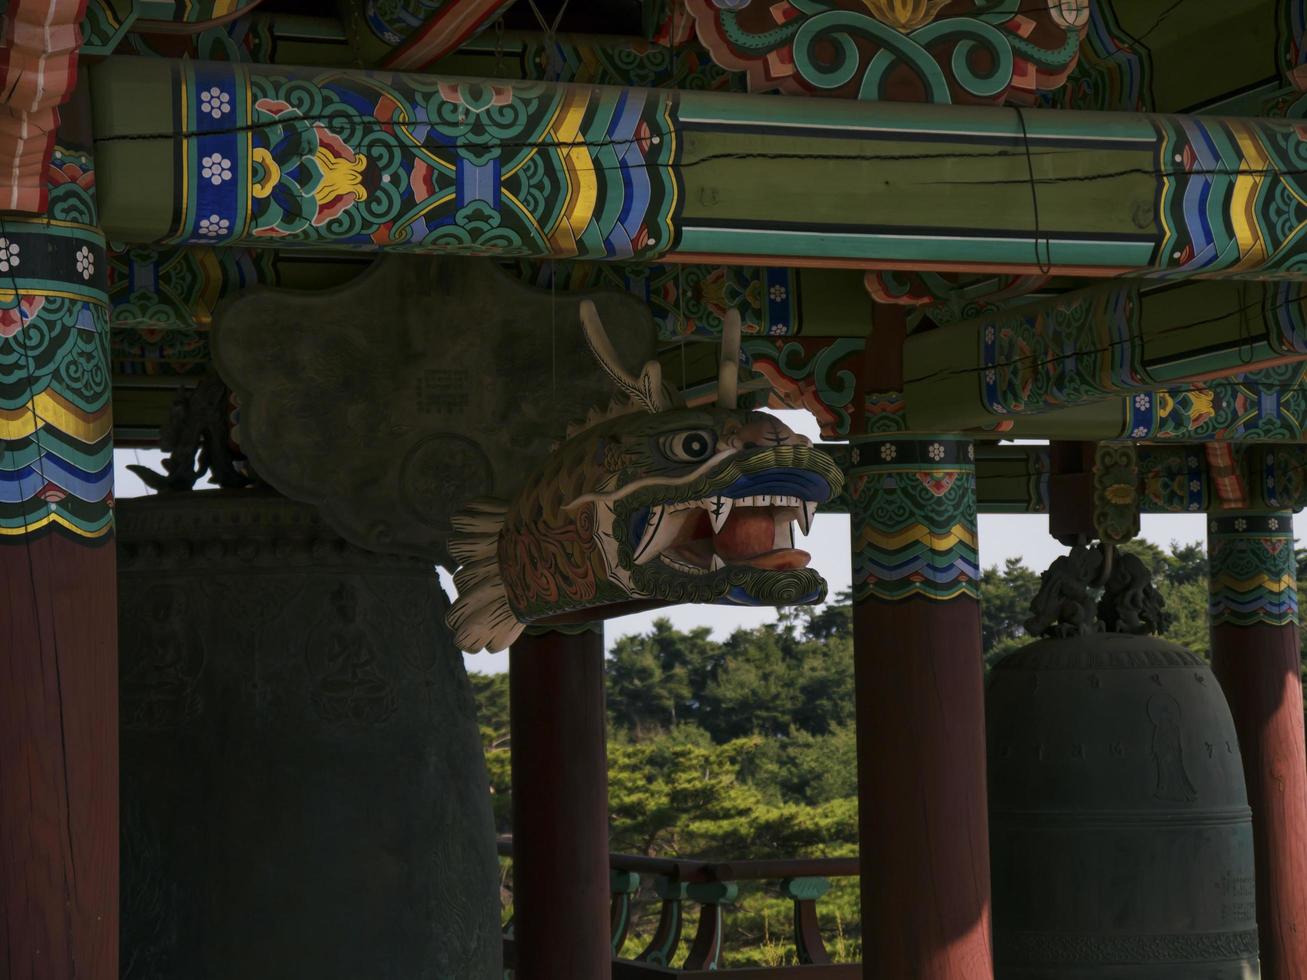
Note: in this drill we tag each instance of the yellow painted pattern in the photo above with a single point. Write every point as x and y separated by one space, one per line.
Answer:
48 408
1243 203
1285 583
958 534
54 517
583 184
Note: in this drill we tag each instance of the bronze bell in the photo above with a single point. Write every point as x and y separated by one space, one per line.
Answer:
1120 834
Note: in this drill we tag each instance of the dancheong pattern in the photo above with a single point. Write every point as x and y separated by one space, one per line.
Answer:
685 300
56 453
162 303
1266 405
1114 71
963 51
912 504
407 163
1253 572
1061 353
1234 197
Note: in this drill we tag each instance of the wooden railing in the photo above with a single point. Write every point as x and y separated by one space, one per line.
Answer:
713 886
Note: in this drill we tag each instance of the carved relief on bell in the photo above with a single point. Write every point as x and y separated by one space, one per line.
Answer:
300 754
1120 834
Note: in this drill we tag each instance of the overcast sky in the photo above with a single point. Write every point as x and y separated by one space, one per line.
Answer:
1001 537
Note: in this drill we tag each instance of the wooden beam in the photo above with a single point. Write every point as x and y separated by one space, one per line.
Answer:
1096 345
618 174
1269 405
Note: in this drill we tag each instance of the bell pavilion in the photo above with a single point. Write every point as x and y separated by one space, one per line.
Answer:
507 288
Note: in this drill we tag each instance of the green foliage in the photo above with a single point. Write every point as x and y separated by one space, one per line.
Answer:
745 748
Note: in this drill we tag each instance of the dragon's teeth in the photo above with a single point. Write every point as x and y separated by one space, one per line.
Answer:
656 517
807 510
717 563
719 510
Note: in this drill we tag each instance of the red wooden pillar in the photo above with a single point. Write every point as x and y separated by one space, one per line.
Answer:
58 606
560 807
923 820
1256 654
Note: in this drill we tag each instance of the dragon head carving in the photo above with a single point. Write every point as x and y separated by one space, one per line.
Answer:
649 503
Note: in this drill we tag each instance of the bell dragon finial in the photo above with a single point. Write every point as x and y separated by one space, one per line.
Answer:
1065 605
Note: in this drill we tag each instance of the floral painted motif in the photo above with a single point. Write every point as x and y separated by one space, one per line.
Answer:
1253 571
55 447
408 163
913 511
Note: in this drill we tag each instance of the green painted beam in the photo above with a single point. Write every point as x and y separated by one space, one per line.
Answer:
1097 344
1174 479
230 154
1263 406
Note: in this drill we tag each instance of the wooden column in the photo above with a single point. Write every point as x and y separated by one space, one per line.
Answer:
921 727
58 607
1256 655
560 807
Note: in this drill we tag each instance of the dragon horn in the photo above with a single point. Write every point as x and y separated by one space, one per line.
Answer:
728 374
647 389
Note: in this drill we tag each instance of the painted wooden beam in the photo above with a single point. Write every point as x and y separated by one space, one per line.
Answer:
226 154
1263 406
1176 479
452 23
1099 344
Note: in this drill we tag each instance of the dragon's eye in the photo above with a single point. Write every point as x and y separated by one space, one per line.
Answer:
688 447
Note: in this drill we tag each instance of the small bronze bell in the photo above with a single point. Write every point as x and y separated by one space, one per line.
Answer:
1120 833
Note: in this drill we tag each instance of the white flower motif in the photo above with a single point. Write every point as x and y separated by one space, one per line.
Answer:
85 262
971 452
1139 432
1240 524
935 452
989 335
1192 461
778 293
857 455
1215 526
1195 486
215 102
888 451
778 330
215 168
1142 402
214 225
990 375
8 255
1193 506
1273 524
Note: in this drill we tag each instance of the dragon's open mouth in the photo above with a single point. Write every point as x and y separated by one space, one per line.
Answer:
744 514
707 534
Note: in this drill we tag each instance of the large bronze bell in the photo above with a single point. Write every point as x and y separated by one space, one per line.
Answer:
1121 838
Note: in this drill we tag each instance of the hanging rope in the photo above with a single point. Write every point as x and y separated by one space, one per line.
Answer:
1045 262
